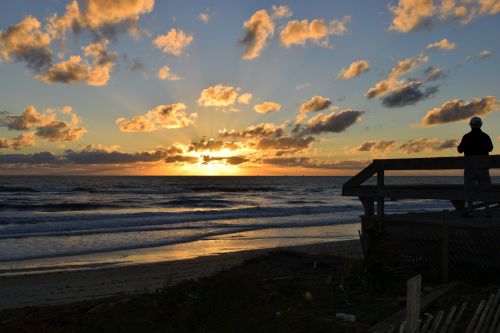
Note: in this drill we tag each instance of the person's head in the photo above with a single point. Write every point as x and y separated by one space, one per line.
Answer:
475 122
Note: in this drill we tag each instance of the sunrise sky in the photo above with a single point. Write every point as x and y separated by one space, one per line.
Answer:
236 87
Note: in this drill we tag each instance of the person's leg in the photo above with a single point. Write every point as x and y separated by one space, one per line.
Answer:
484 184
469 185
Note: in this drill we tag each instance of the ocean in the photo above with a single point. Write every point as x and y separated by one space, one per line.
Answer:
82 222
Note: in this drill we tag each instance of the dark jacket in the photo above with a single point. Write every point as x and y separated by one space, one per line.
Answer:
475 143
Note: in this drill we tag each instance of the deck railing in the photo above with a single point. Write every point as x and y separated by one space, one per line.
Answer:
369 194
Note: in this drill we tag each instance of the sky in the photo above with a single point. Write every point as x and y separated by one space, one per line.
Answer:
233 87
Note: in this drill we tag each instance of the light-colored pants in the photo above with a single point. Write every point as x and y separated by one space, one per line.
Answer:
477 179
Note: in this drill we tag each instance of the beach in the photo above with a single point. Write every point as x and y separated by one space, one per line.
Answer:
42 289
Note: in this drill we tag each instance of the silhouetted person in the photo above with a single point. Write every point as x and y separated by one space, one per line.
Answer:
476 143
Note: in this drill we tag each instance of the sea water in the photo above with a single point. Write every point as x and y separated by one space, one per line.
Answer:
74 222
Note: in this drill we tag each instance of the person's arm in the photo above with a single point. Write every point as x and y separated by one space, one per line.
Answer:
460 147
490 144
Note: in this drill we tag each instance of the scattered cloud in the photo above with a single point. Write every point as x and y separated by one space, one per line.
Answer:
174 42
299 32
23 140
377 148
267 107
408 94
443 44
355 69
413 14
433 74
245 98
218 95
302 86
45 124
78 70
204 17
457 109
281 11
316 103
162 116
258 29
335 122
285 144
307 162
165 74
255 131
424 144
484 54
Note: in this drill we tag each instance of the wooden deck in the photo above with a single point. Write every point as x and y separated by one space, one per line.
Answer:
439 245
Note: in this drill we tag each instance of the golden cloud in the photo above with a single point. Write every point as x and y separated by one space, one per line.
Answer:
457 109
267 107
299 32
164 73
316 103
162 116
174 42
218 95
355 69
258 29
23 140
443 44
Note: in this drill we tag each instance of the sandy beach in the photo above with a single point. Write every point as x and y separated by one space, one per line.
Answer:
67 287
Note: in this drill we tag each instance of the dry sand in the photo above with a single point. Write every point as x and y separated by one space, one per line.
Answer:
67 287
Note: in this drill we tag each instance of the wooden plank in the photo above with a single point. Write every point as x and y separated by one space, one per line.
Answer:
360 177
475 318
380 199
448 319
491 313
444 247
484 314
437 321
413 287
438 163
457 318
496 320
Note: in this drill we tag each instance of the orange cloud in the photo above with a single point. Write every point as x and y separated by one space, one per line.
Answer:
78 70
316 103
355 69
335 122
299 32
281 11
376 147
258 29
424 144
23 140
245 98
218 95
457 109
164 73
174 42
162 116
267 107
443 44
26 42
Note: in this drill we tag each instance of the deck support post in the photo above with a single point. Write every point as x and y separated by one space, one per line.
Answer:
380 197
445 247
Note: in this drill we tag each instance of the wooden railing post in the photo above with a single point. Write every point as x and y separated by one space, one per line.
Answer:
445 247
380 189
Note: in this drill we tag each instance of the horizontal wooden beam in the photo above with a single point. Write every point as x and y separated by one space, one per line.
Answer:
437 163
361 176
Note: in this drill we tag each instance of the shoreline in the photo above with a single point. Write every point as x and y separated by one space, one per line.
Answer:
55 288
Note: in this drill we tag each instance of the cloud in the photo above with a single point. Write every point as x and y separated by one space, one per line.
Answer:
100 18
307 162
316 103
258 29
204 17
484 54
285 144
409 94
45 124
255 131
424 144
281 11
267 107
174 42
299 32
164 73
443 44
23 140
397 92
335 122
60 131
26 42
78 70
355 69
181 159
162 116
376 147
218 95
245 98
457 109
206 145
413 14
28 119
303 86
